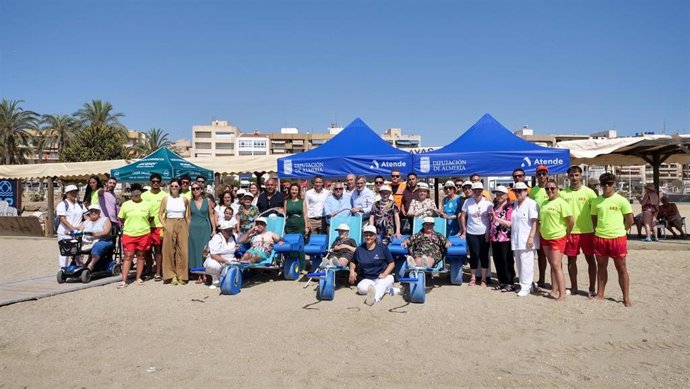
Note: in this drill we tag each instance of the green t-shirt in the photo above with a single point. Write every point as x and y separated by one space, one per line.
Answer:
580 201
136 216
155 200
94 197
609 212
538 194
187 194
552 223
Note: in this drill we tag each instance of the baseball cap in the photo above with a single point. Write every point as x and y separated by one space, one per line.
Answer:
343 227
542 168
429 219
370 229
260 219
247 194
385 188
71 188
423 186
449 183
93 207
225 224
467 183
520 185
501 189
477 185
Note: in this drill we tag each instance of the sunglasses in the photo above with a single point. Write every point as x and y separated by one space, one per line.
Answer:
518 175
608 183
395 175
466 188
174 186
542 174
448 188
378 182
196 188
477 190
260 223
369 235
337 188
550 189
185 182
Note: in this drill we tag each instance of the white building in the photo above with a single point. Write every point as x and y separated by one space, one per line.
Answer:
252 144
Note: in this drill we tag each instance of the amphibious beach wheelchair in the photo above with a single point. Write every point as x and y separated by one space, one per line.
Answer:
319 247
284 257
107 265
414 279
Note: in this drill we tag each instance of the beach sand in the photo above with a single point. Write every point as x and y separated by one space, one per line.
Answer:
275 333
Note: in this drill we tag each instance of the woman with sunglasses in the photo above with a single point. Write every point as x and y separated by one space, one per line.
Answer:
174 215
201 227
524 239
385 216
375 264
378 183
555 224
451 210
475 223
500 239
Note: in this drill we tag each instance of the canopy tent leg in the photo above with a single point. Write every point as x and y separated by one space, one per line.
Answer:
51 209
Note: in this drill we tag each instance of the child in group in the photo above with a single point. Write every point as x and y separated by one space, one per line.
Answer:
342 249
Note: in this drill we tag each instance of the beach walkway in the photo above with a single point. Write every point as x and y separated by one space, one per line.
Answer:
45 286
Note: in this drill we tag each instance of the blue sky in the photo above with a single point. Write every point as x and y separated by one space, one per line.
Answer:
432 68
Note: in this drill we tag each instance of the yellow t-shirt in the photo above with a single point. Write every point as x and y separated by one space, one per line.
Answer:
552 223
155 200
136 216
610 213
188 194
94 197
538 194
580 201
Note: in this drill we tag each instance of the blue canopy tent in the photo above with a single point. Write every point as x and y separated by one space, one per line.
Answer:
357 149
164 162
488 148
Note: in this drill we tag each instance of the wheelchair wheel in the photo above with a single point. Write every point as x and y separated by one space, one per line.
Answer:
60 277
456 271
326 289
232 282
85 276
117 269
418 289
291 268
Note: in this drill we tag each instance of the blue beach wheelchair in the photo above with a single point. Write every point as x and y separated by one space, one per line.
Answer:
283 257
414 279
319 247
107 265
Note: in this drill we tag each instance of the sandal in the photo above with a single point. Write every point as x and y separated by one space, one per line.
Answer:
473 281
157 278
483 283
121 285
139 282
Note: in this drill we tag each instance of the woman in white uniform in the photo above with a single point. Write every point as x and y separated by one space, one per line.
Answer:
70 212
221 251
523 236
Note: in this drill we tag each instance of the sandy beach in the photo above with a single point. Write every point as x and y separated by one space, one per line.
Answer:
276 333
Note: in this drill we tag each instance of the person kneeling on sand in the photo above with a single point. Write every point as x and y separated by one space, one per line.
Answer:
342 249
262 242
426 246
221 250
376 265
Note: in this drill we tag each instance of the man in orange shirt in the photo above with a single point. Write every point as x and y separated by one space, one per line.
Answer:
398 187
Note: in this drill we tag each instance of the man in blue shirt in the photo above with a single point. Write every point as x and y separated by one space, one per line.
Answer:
362 198
337 202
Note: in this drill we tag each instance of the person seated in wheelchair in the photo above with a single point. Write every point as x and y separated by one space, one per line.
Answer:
261 240
426 247
221 250
670 212
97 239
342 249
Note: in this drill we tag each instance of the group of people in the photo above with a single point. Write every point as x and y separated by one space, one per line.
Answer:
186 228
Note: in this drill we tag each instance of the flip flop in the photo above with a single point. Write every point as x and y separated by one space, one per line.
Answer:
157 278
139 282
121 285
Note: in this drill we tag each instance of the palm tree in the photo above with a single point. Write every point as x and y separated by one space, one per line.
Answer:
154 140
58 130
98 113
15 140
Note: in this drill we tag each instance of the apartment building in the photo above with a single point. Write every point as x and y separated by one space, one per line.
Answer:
183 147
215 140
396 138
252 144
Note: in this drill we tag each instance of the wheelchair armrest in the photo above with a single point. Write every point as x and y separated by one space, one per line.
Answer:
318 244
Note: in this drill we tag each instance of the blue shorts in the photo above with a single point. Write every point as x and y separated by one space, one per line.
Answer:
101 247
260 253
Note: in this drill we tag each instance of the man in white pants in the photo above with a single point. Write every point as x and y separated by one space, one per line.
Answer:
376 265
523 236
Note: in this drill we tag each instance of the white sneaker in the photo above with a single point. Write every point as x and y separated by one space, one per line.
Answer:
411 262
523 293
371 296
394 291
